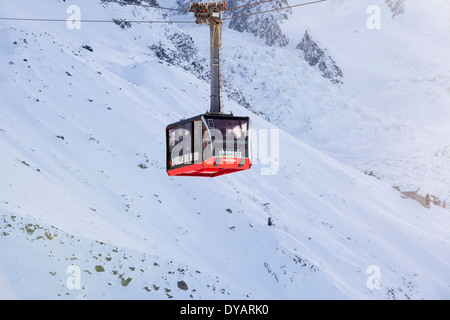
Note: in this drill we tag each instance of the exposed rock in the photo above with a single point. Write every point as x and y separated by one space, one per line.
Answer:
122 2
397 6
89 48
316 56
264 26
182 285
180 50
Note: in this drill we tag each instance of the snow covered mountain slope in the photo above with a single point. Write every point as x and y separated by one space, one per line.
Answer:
87 210
390 113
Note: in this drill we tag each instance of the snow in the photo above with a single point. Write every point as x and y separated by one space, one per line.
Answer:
76 125
393 106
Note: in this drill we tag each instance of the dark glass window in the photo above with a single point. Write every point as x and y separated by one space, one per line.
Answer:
180 145
198 133
229 137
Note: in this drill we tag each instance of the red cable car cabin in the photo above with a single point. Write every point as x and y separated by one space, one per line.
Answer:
208 145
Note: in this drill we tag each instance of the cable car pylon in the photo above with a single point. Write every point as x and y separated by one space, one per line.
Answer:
211 14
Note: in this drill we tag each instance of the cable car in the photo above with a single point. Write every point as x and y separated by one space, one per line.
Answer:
208 145
214 143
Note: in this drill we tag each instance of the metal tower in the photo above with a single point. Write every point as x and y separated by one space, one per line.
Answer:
211 14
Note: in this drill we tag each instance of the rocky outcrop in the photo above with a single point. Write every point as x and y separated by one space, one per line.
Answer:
265 26
397 6
180 50
318 57
125 2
